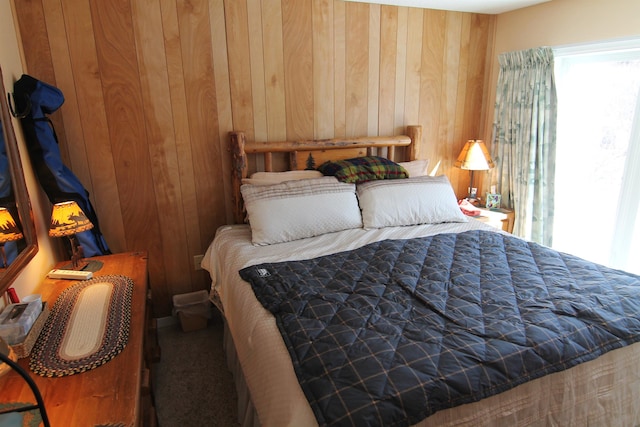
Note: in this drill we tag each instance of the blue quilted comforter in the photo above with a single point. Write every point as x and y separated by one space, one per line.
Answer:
394 331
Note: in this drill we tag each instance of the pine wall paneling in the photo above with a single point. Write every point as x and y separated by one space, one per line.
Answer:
340 67
297 42
357 65
323 65
373 99
390 67
153 87
223 94
165 142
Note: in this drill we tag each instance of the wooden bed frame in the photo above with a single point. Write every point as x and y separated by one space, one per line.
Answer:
303 152
607 385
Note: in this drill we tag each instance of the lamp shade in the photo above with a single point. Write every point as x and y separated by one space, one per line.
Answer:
474 156
8 229
67 218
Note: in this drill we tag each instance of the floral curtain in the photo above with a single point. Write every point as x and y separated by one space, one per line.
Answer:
524 140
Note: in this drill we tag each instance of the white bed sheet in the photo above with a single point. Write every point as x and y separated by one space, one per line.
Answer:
279 400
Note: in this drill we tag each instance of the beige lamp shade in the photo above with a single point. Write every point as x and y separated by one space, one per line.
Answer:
67 218
474 156
8 229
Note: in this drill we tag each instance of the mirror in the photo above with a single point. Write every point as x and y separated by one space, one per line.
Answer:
20 249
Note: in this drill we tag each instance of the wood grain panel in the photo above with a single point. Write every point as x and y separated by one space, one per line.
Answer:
73 153
414 67
38 19
35 40
274 71
357 65
115 44
401 69
485 42
298 65
448 100
153 87
239 65
479 33
223 104
323 90
164 162
340 64
206 147
238 53
431 85
388 68
92 107
373 94
256 52
460 127
181 139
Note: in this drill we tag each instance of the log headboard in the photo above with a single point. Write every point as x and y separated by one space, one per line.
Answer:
305 152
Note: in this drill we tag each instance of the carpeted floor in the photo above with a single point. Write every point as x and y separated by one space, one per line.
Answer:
192 384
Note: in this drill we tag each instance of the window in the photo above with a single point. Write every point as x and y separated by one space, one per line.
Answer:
597 194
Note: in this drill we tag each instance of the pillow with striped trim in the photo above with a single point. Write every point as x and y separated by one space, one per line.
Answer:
268 178
363 169
299 209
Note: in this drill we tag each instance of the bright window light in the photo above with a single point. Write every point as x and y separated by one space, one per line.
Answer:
597 209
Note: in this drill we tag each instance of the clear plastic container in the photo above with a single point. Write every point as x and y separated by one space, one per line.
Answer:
16 320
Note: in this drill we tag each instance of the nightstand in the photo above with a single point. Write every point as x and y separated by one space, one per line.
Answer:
498 217
115 393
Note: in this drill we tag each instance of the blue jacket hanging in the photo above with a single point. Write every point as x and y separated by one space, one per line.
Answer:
34 101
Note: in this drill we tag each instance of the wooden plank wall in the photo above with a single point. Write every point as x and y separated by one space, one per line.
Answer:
153 87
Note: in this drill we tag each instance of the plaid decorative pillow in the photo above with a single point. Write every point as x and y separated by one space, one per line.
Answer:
363 169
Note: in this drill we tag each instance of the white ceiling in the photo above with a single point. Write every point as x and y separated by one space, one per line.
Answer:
477 6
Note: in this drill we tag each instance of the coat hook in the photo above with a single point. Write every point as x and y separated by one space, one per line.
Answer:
20 115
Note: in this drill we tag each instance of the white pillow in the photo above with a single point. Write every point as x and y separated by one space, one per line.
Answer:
411 201
416 167
269 178
299 209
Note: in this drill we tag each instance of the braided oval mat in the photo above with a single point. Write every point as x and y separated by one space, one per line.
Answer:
87 327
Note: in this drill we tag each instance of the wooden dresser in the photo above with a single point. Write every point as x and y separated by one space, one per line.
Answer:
116 393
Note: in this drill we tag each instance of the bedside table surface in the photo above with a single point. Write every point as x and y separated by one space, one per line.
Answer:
498 217
108 394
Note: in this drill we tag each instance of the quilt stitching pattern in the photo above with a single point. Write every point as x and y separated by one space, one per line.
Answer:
396 330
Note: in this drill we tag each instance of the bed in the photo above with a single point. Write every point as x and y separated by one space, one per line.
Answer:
279 375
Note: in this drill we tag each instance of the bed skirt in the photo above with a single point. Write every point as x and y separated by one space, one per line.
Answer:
247 416
604 391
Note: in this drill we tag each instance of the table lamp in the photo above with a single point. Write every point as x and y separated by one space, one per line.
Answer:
474 157
68 219
9 232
